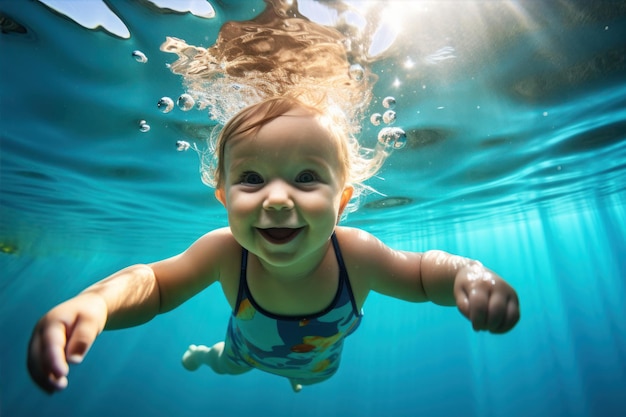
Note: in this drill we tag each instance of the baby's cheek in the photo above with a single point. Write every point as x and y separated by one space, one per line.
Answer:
243 204
324 213
322 204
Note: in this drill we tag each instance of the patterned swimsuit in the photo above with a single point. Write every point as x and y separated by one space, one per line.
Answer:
306 350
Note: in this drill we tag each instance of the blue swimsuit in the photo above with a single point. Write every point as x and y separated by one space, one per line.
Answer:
306 350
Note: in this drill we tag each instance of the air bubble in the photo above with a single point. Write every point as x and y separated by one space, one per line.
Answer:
144 126
389 117
356 72
165 104
376 118
392 137
186 102
182 145
389 102
140 57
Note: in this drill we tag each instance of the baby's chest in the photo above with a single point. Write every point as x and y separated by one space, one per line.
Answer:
300 299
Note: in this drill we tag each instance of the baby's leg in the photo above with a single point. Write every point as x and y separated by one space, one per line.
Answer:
213 357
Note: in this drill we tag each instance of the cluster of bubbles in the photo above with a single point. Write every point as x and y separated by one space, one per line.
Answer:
185 102
389 117
389 137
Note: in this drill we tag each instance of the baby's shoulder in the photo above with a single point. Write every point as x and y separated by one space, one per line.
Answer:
358 244
366 259
219 243
223 235
216 253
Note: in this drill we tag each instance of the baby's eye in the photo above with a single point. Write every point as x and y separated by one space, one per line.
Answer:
251 178
306 177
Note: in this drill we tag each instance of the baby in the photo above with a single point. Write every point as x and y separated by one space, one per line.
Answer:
295 280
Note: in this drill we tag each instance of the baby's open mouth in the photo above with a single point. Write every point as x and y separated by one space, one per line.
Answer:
280 235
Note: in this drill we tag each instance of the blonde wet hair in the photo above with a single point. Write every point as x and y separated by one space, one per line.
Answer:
358 164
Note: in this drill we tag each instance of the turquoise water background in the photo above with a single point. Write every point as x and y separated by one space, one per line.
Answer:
516 119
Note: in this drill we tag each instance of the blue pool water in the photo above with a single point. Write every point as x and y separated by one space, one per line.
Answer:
516 119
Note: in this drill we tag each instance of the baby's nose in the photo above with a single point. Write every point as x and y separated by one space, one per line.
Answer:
278 197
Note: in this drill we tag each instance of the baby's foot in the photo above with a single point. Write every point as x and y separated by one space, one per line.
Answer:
296 387
213 357
193 357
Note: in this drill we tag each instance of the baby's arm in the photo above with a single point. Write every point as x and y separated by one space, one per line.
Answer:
66 332
481 295
445 279
127 298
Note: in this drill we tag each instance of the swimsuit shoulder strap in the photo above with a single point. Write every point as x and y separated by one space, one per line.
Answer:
343 274
242 278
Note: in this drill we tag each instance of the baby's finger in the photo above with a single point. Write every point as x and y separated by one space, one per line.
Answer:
478 305
497 312
46 358
54 340
34 362
80 340
511 316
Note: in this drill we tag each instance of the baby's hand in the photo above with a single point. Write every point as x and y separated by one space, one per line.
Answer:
63 335
486 299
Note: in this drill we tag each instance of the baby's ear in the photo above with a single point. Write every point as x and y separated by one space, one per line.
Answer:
221 196
346 195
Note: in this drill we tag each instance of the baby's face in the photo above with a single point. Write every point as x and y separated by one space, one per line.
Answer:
284 189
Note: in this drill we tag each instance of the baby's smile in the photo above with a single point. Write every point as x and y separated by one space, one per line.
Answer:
280 235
